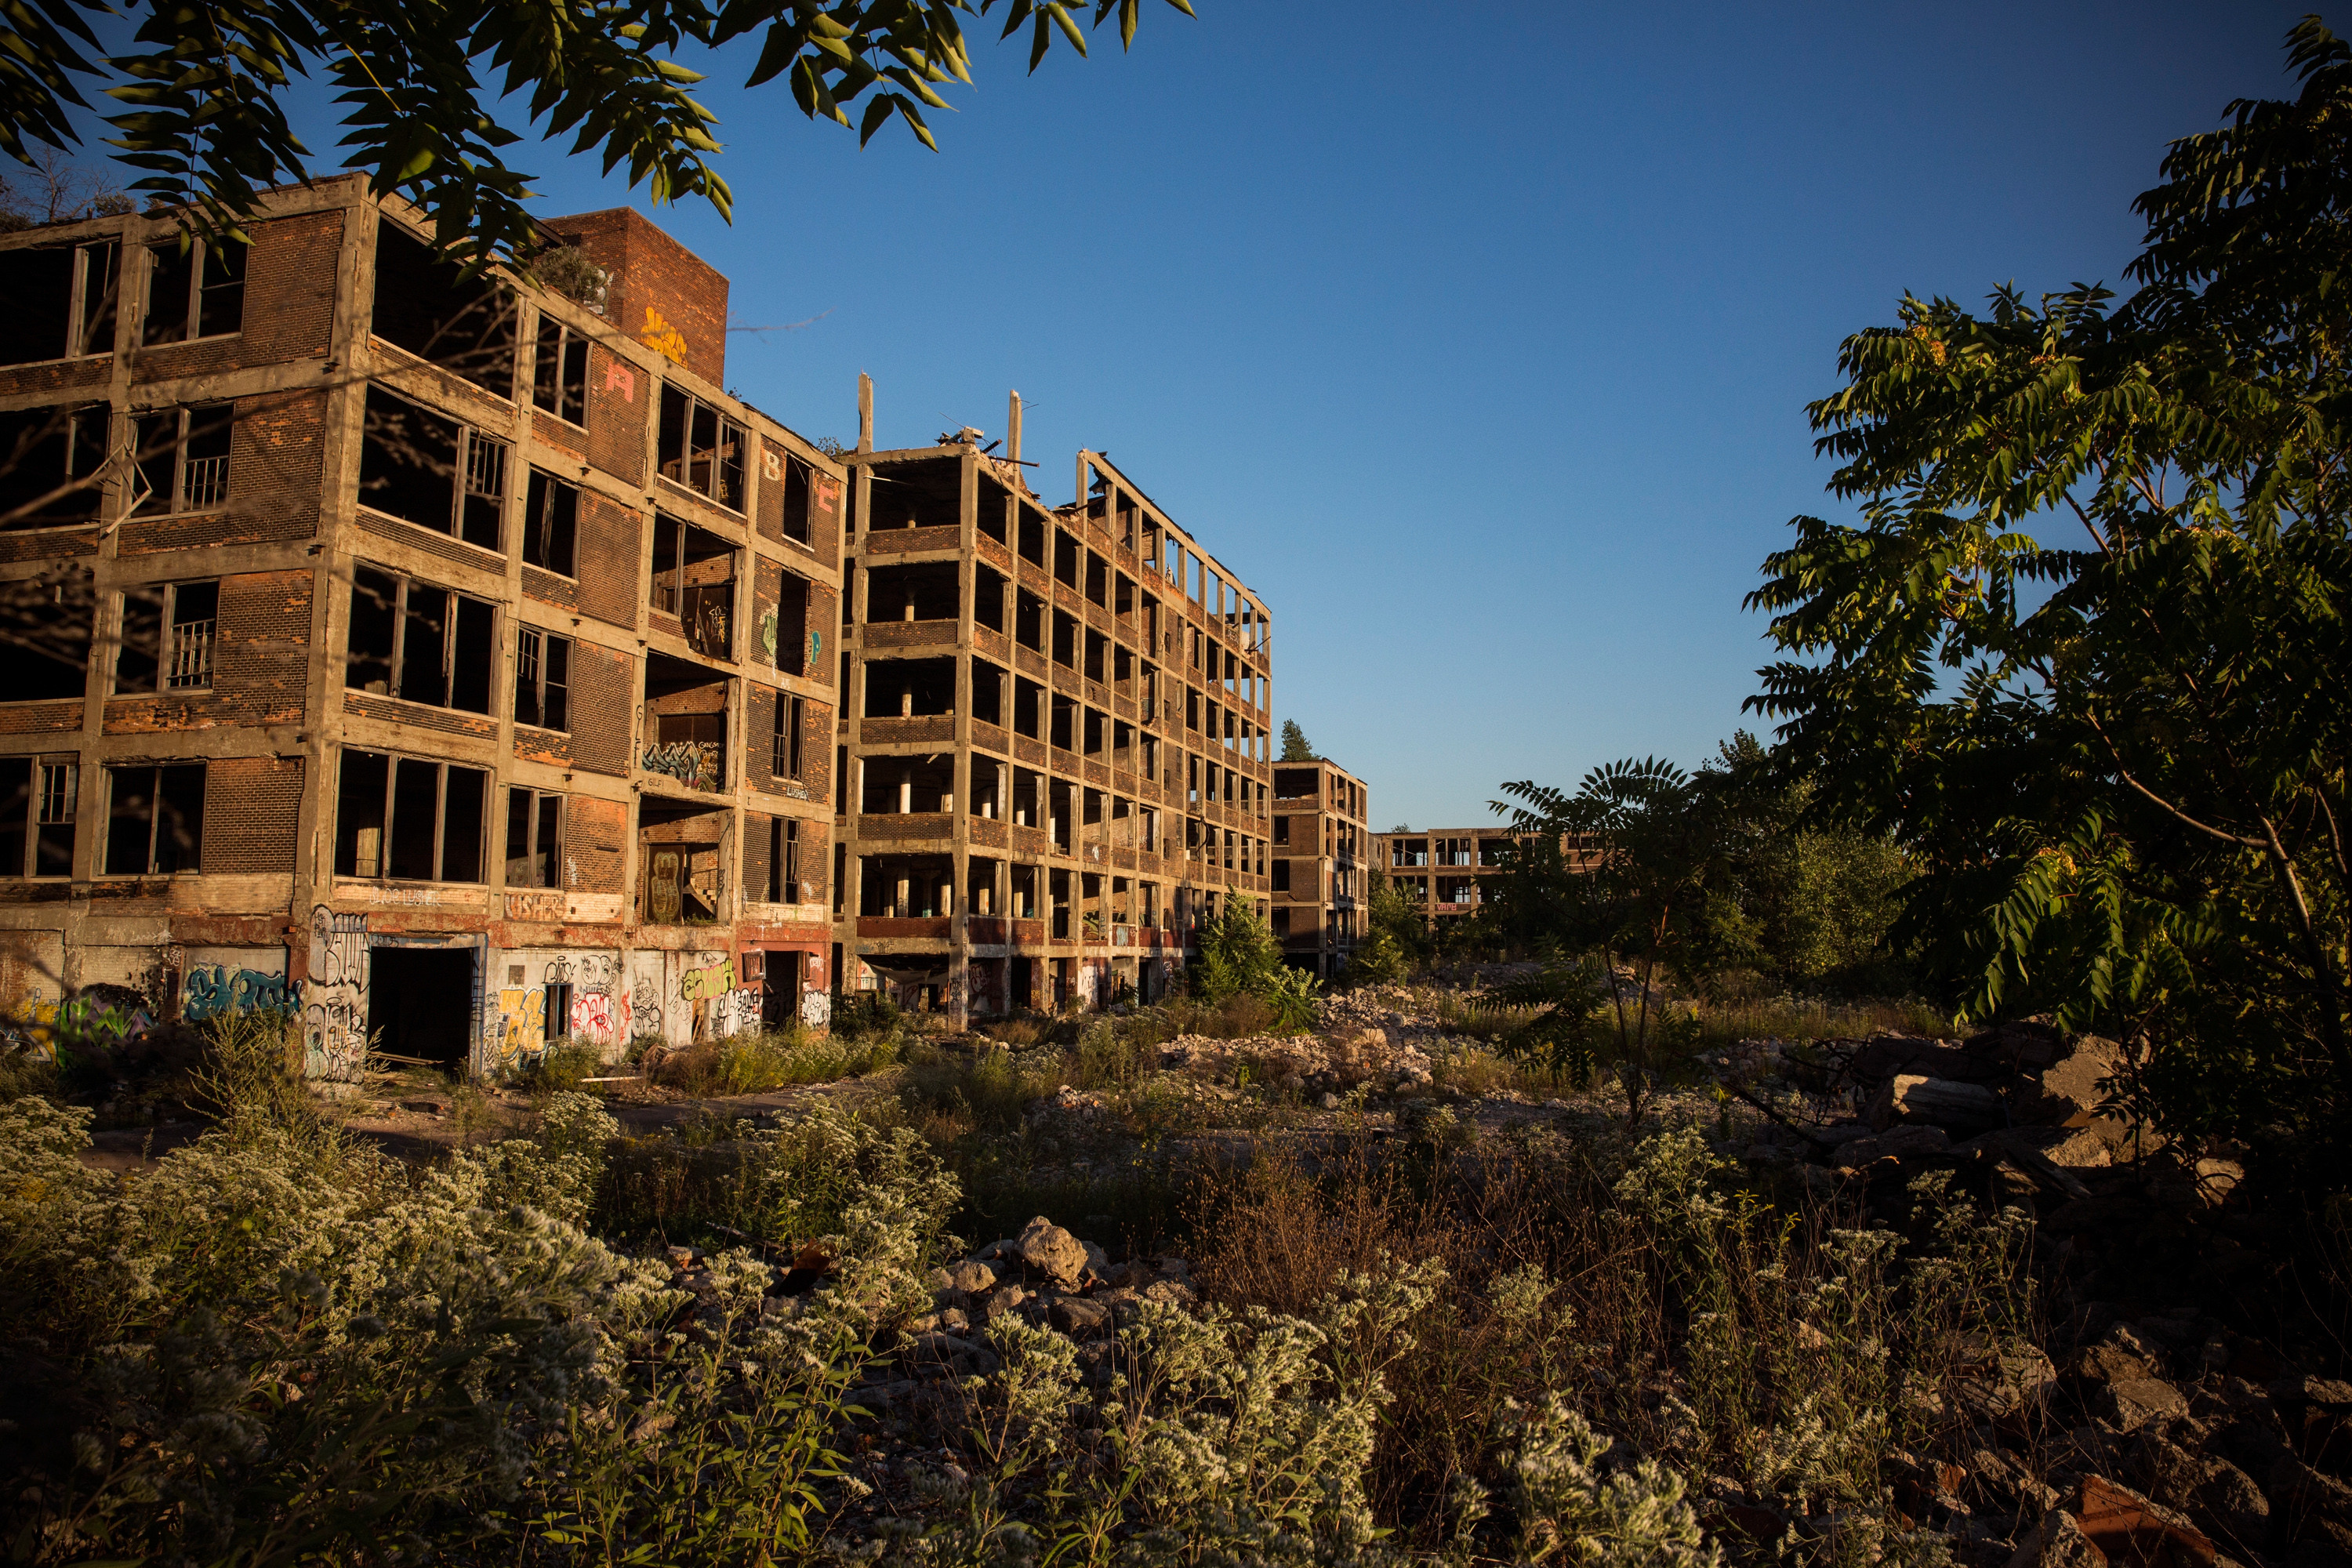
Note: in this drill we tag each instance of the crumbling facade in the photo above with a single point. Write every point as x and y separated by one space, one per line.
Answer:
443 658
1053 757
1320 842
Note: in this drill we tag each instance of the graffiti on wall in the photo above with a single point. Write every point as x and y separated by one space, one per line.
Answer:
710 981
600 1007
334 997
217 991
816 1008
522 1025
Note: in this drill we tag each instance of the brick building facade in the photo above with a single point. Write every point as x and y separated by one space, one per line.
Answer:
1321 840
443 657
1053 746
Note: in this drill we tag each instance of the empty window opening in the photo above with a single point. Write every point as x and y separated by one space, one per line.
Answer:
419 643
559 380
783 886
910 688
167 638
542 679
408 818
155 819
40 797
426 305
1065 558
534 839
987 692
195 289
62 300
901 785
686 722
46 628
701 447
551 523
694 580
925 493
928 593
427 468
52 465
988 599
785 761
180 458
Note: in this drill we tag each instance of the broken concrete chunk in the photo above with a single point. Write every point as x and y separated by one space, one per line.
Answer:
1047 1247
971 1277
2123 1524
1943 1103
1078 1315
2133 1403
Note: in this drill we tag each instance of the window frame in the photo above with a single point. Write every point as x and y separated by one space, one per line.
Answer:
783 860
787 755
568 339
537 524
178 501
535 802
160 682
115 773
192 321
535 639
38 793
694 404
396 660
469 436
392 761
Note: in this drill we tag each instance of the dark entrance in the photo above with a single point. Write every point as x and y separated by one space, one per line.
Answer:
421 1002
779 988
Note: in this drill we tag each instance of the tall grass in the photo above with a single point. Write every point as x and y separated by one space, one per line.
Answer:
765 1059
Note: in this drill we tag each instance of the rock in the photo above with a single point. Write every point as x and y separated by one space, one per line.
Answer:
1170 1292
1943 1103
2122 1523
954 1321
1006 1298
2058 1542
1078 1315
1891 1054
2016 1379
1901 1142
936 1346
2303 1496
1047 1247
2133 1403
2070 1088
2068 1148
2025 1044
970 1278
2230 1505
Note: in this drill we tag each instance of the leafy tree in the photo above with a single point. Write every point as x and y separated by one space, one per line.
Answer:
2085 651
1647 899
204 86
1296 748
1396 937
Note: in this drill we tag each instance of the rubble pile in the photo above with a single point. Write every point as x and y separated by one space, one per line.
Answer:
2024 1106
1343 1057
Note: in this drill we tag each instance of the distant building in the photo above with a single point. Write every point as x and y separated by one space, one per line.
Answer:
1444 872
1320 844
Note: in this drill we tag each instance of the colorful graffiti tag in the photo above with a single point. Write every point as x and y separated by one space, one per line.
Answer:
216 991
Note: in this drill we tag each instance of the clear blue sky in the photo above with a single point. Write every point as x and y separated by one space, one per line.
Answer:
1476 338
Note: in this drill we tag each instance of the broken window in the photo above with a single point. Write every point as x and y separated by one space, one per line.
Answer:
1065 558
180 458
784 861
156 819
987 599
1065 640
1029 620
785 759
418 642
408 818
39 799
558 377
52 465
534 839
987 692
61 301
701 448
195 289
542 679
1282 876
45 626
694 579
411 469
167 638
429 307
550 521
798 499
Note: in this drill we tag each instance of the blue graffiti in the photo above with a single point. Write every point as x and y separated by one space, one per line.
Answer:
213 991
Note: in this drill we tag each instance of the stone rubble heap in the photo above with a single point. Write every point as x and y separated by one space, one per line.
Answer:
1330 1063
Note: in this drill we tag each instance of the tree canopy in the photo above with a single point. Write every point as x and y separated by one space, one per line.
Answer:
1296 746
203 87
2085 652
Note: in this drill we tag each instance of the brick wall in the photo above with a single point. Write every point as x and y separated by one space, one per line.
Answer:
768 505
277 448
47 546
825 496
603 701
661 294
759 732
816 750
419 716
769 643
55 377
549 589
40 718
596 834
824 620
251 805
608 542
289 287
618 395
755 856
260 669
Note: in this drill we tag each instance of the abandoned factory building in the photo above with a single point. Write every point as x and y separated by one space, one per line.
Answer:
1055 760
454 661
1320 844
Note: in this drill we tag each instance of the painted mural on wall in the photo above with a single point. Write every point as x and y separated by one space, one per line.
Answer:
598 1012
334 997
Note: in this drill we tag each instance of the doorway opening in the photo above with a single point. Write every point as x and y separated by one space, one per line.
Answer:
421 1003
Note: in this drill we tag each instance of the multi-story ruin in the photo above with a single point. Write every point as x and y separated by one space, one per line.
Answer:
1320 842
443 656
1438 869
1054 745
